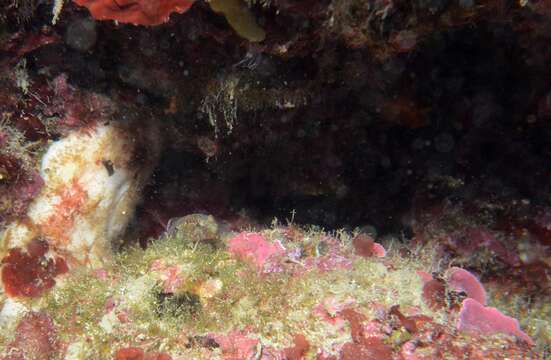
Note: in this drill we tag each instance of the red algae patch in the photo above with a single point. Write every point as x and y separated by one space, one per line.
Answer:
299 350
434 294
137 12
365 246
30 273
475 317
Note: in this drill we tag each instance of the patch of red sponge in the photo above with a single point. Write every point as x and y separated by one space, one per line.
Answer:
137 12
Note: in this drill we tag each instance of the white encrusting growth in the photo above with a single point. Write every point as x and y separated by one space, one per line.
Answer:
93 181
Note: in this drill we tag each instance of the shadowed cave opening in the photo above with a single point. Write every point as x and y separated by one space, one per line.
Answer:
454 121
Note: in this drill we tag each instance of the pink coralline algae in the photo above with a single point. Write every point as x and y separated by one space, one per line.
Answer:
477 318
474 316
36 338
363 345
434 294
456 279
254 247
460 280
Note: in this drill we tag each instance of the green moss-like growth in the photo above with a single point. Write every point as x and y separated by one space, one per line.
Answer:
128 304
77 303
219 293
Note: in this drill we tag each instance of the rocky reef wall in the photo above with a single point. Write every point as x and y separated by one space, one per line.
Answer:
275 179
